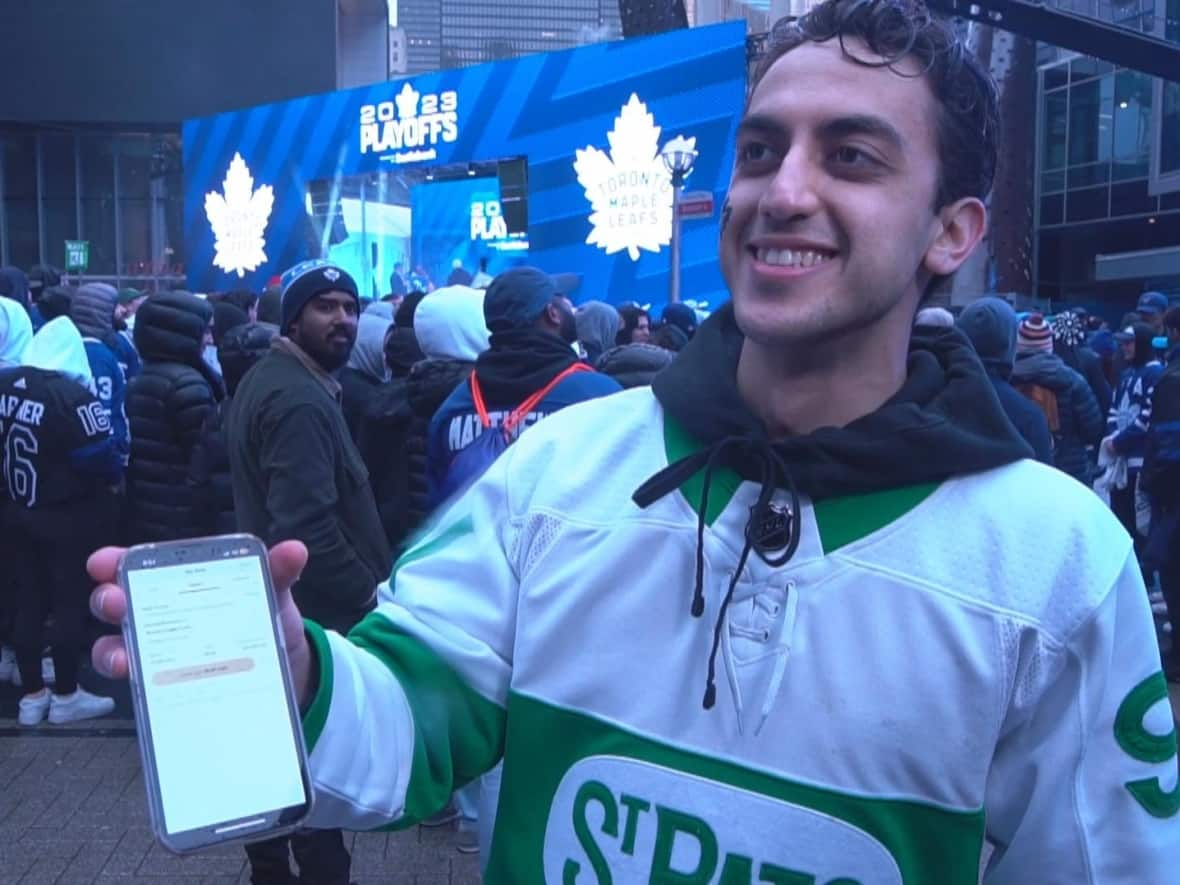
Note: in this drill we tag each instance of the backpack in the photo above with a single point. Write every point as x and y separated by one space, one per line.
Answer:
1046 401
472 462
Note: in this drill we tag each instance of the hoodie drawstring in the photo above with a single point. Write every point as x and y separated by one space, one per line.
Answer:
772 473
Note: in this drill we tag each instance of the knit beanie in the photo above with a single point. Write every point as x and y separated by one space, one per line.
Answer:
1034 335
308 279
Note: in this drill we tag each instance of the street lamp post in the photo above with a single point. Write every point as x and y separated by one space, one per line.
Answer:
678 155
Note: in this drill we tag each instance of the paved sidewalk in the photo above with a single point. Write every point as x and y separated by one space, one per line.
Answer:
72 811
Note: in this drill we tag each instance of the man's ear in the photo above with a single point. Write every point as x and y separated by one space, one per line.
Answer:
959 228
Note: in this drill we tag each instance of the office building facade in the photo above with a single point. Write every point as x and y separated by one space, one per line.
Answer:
1108 171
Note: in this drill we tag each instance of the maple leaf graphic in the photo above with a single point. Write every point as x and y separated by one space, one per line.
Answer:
630 191
239 219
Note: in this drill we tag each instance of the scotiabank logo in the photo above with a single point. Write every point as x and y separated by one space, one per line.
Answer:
409 128
621 820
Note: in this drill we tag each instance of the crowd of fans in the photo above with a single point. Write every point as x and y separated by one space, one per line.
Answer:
309 413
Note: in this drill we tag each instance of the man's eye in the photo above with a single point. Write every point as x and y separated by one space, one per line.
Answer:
754 152
846 155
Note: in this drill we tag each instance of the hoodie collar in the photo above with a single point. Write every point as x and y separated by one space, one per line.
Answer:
16 332
944 421
58 347
521 362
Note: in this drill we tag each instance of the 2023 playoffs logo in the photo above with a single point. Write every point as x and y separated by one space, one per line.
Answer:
408 128
629 189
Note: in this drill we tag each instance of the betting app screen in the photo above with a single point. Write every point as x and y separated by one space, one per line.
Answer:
216 705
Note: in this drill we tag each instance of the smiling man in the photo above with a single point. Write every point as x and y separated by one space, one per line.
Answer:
799 635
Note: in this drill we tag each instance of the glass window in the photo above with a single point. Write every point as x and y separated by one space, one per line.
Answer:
134 158
1172 21
1131 198
1086 67
1057 75
1052 182
169 205
1055 121
98 201
1132 125
1087 205
1086 176
20 199
1169 146
1091 114
1053 209
59 181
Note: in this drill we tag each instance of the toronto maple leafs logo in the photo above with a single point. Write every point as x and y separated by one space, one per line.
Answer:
407 102
630 190
331 275
238 218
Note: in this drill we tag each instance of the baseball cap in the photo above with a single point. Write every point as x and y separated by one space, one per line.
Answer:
126 296
1127 334
1152 302
517 296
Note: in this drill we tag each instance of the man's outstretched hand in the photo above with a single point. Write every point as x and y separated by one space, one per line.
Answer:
109 604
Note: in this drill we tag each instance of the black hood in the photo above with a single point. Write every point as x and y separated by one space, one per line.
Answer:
945 421
170 328
431 381
519 362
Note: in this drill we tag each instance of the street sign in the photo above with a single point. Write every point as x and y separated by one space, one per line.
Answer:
696 204
77 255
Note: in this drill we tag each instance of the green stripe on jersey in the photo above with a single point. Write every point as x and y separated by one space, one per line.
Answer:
842 521
458 733
317 714
586 800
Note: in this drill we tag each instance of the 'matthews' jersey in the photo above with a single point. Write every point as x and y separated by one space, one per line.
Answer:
55 438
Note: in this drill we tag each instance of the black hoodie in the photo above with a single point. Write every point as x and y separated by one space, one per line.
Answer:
945 421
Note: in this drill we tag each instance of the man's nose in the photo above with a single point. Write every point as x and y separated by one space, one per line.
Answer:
792 192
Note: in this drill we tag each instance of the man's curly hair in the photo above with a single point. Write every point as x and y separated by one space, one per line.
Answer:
895 30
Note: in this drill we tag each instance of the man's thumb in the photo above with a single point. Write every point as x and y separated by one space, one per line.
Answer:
287 560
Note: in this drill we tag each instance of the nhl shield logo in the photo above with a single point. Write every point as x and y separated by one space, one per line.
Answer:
769 529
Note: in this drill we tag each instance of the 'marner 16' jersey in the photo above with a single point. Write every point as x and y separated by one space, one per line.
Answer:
55 438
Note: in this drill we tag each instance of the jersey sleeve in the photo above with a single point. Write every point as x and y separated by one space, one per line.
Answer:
1083 788
86 436
410 705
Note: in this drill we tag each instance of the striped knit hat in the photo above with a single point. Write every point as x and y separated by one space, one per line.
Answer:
1034 335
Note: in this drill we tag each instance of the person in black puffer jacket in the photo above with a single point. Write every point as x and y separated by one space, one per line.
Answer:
1038 371
167 403
209 473
449 326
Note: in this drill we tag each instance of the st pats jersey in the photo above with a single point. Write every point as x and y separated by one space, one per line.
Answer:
937 667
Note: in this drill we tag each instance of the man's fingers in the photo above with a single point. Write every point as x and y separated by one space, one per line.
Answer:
286 564
103 564
108 603
110 657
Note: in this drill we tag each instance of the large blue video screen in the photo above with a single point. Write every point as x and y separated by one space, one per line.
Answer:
590 123
461 221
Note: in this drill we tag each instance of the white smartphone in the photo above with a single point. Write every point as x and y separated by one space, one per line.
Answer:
216 715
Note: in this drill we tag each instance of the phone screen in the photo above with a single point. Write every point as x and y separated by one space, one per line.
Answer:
217 709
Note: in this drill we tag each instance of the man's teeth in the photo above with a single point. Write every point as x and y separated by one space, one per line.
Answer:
792 257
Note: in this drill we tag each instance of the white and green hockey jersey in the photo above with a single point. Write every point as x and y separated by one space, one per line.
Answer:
936 668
